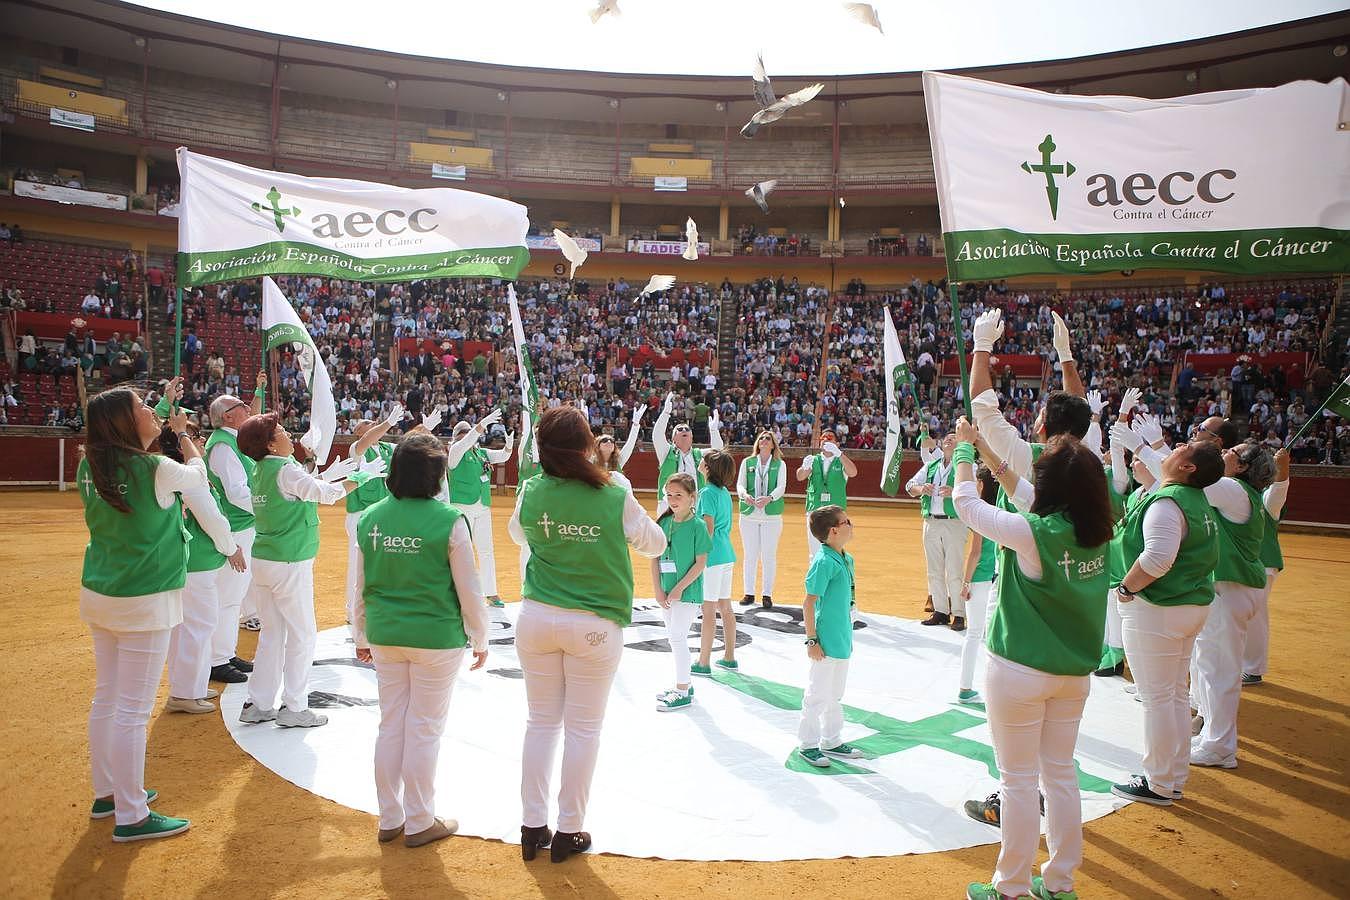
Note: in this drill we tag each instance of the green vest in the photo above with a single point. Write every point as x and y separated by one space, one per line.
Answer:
527 469
1118 566
749 466
826 487
1190 581
1003 501
1240 545
926 502
202 553
984 569
1053 625
410 593
239 519
288 530
470 481
372 490
669 466
137 553
1117 499
578 552
1271 555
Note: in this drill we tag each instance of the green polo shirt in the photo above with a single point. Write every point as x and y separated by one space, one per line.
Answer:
830 579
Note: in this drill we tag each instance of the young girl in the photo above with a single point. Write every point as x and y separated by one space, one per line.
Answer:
978 592
714 505
677 576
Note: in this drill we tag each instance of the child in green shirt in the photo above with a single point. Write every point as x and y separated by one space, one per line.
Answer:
829 638
714 507
677 575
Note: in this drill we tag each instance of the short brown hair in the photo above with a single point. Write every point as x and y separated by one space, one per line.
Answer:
824 518
721 468
255 435
566 445
417 467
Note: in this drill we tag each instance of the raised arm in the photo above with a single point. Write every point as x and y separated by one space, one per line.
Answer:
660 444
634 430
1073 384
715 431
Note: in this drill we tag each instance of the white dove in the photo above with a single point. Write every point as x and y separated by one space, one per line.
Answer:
866 14
603 8
658 283
690 240
763 90
779 108
760 194
570 250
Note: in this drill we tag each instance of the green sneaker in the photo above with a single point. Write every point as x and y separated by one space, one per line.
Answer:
102 809
154 826
843 751
496 602
978 891
728 664
673 700
1041 892
968 696
660 694
815 758
696 669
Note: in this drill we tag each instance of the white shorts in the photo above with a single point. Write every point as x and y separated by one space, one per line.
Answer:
717 582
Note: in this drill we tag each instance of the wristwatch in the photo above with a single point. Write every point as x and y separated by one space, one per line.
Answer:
1121 589
184 434
811 642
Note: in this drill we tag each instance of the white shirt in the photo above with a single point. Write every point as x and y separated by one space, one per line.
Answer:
164 609
661 445
1229 497
921 478
761 487
1000 526
297 484
226 466
1000 434
465 573
642 534
456 453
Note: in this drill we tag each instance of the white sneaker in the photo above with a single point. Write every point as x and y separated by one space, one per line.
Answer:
189 705
252 623
1209 758
255 715
305 718
212 693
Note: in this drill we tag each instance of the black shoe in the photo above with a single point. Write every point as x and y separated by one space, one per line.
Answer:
532 840
748 600
958 623
1251 680
990 809
937 618
564 845
227 674
767 602
242 665
1117 669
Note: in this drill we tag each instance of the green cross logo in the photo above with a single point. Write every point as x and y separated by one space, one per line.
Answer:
1050 170
275 208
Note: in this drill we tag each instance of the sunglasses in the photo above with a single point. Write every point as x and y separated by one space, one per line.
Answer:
683 429
605 440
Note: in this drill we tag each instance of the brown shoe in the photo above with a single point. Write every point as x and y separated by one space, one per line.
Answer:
928 604
937 618
958 623
439 830
388 834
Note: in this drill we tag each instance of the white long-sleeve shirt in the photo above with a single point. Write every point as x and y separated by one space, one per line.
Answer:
642 534
1229 497
1000 526
467 588
1275 497
749 492
1000 434
1120 473
661 444
227 467
626 451
297 484
928 455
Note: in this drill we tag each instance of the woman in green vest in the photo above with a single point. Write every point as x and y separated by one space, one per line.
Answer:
369 447
760 485
578 597
469 482
417 605
1164 598
286 516
1239 589
131 594
1045 638
826 475
1258 630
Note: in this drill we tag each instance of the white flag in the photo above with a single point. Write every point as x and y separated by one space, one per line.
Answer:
281 327
529 390
897 378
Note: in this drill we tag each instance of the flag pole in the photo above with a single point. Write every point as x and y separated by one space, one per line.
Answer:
958 327
178 318
1317 415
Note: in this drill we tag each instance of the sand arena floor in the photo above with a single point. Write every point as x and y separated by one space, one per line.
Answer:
1275 826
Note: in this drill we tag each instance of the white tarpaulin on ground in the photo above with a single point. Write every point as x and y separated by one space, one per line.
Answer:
1247 182
719 780
282 327
239 222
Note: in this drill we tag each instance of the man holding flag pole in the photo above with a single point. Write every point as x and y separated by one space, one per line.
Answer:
531 408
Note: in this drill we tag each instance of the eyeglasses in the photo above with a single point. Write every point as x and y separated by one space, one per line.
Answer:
843 522
1196 430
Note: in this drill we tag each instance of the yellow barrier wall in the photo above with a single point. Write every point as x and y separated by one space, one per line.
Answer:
472 157
76 101
652 166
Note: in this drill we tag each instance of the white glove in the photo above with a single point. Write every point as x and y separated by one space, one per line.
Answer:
1124 435
375 468
988 329
1129 400
490 419
510 440
312 439
1095 403
829 448
715 423
1062 346
638 412
1148 429
395 415
669 404
429 422
339 470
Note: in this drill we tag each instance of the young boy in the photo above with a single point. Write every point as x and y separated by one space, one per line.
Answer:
829 638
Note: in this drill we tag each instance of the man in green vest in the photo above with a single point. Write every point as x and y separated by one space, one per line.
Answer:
944 537
826 475
469 490
229 472
1258 630
367 447
683 456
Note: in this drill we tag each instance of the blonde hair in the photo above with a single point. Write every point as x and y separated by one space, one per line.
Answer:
776 453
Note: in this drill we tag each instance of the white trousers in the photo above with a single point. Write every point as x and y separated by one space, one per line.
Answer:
231 589
1114 635
569 658
944 548
1218 663
285 593
479 518
414 686
679 619
812 545
190 640
1034 718
760 537
127 665
979 609
1255 655
1158 641
352 553
822 706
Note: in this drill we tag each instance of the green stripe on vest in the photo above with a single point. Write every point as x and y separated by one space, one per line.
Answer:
1272 557
202 553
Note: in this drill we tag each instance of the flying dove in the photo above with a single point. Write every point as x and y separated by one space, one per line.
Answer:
610 7
658 283
779 108
866 14
570 250
760 194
